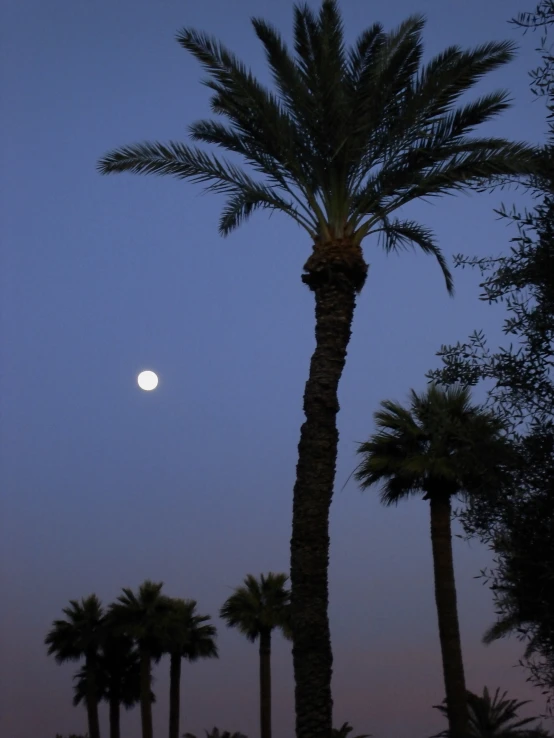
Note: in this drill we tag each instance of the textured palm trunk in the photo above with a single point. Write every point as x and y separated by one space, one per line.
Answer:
145 694
174 694
335 272
447 611
92 698
115 712
265 684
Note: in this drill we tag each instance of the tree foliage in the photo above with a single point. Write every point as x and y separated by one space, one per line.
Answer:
345 730
346 136
518 522
496 717
259 605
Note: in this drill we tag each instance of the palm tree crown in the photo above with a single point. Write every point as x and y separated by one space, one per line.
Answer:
189 634
259 605
496 718
142 615
80 633
347 136
216 733
441 444
345 730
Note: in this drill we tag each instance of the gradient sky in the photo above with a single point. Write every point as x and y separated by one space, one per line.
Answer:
104 485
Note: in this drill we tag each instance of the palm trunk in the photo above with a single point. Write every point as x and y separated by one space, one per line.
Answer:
447 611
92 697
174 694
335 272
145 694
265 684
115 711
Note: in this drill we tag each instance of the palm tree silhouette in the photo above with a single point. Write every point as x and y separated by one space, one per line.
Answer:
345 140
345 730
215 733
80 636
118 677
142 617
496 718
442 446
256 609
187 635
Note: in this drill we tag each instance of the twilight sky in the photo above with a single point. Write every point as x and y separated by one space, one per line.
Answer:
105 485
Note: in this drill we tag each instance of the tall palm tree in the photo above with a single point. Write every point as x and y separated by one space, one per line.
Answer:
118 678
346 138
256 609
187 635
496 718
142 616
80 636
441 446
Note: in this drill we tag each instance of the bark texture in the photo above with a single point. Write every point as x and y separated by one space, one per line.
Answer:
335 272
174 694
265 684
447 611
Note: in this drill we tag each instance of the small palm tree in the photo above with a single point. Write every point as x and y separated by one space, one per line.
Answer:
118 678
256 609
187 635
80 636
344 731
442 446
215 733
347 137
142 616
496 718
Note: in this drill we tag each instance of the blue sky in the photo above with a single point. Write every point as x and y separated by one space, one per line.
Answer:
105 485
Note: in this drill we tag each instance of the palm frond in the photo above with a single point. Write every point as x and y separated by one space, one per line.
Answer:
178 160
287 78
450 74
405 234
495 717
360 54
423 174
256 113
243 203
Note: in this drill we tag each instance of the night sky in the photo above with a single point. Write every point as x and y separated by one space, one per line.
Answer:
104 485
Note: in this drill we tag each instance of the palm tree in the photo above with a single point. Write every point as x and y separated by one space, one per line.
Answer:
441 446
118 678
347 137
188 636
344 731
256 609
80 636
141 616
215 733
496 718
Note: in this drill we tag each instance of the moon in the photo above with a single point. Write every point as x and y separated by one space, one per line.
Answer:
147 381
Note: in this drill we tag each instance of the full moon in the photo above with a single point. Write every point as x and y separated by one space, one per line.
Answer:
147 380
